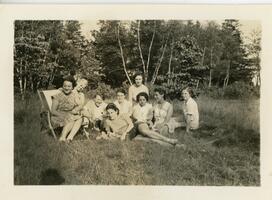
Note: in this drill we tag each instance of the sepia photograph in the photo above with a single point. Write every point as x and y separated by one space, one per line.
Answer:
137 102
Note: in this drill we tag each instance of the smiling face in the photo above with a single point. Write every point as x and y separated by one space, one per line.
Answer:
185 94
98 100
67 87
120 97
112 114
142 100
138 80
158 97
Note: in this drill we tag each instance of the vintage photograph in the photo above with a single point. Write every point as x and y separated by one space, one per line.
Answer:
137 102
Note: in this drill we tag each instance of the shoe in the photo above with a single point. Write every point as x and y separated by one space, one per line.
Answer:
183 146
99 137
62 139
173 141
69 140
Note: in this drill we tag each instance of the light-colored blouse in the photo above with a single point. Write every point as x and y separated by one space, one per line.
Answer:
133 91
124 108
96 112
142 113
118 125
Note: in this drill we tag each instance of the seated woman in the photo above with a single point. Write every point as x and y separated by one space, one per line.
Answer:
136 88
163 111
117 125
94 110
143 113
66 110
124 106
190 110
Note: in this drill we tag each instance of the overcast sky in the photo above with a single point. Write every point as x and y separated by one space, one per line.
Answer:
247 26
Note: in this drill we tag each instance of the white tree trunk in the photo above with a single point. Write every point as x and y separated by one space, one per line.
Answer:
149 51
210 77
139 46
122 55
169 64
226 80
158 66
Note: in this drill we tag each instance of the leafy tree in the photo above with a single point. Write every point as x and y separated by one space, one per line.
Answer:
234 55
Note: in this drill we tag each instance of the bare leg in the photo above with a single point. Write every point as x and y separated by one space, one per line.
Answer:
144 129
75 129
66 129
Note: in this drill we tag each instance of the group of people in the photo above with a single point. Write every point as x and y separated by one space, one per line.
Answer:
124 117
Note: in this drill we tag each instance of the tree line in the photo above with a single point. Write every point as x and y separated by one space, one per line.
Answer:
170 53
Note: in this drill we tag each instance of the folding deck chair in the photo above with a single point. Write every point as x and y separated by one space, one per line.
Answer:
45 97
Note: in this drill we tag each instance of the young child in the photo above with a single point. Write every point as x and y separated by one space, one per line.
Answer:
190 110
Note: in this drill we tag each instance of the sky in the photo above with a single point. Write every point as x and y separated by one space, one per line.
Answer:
247 26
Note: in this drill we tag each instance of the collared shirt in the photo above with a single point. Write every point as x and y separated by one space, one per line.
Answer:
142 113
133 91
125 107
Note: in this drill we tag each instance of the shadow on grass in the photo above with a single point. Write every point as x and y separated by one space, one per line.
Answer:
51 177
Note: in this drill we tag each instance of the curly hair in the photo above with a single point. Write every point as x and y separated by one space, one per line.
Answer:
142 94
113 107
161 91
70 79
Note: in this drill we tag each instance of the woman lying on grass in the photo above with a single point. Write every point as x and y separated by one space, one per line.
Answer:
143 114
190 110
66 110
163 111
117 125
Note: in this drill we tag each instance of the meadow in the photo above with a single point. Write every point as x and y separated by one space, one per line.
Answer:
224 151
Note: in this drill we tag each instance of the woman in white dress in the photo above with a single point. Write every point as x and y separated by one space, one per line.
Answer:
124 106
136 88
190 110
163 111
142 114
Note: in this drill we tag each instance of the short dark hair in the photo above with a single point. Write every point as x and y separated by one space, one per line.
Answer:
113 107
142 94
70 79
121 90
99 94
161 91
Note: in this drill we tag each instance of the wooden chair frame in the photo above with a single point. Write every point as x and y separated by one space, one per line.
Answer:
46 111
45 97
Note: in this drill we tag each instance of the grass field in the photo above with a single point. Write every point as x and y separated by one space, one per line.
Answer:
224 151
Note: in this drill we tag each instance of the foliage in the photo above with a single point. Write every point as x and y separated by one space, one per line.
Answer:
236 90
44 49
170 53
103 89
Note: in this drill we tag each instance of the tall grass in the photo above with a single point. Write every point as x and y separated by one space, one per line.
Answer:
210 157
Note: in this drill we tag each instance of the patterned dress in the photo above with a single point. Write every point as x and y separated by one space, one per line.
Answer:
66 103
